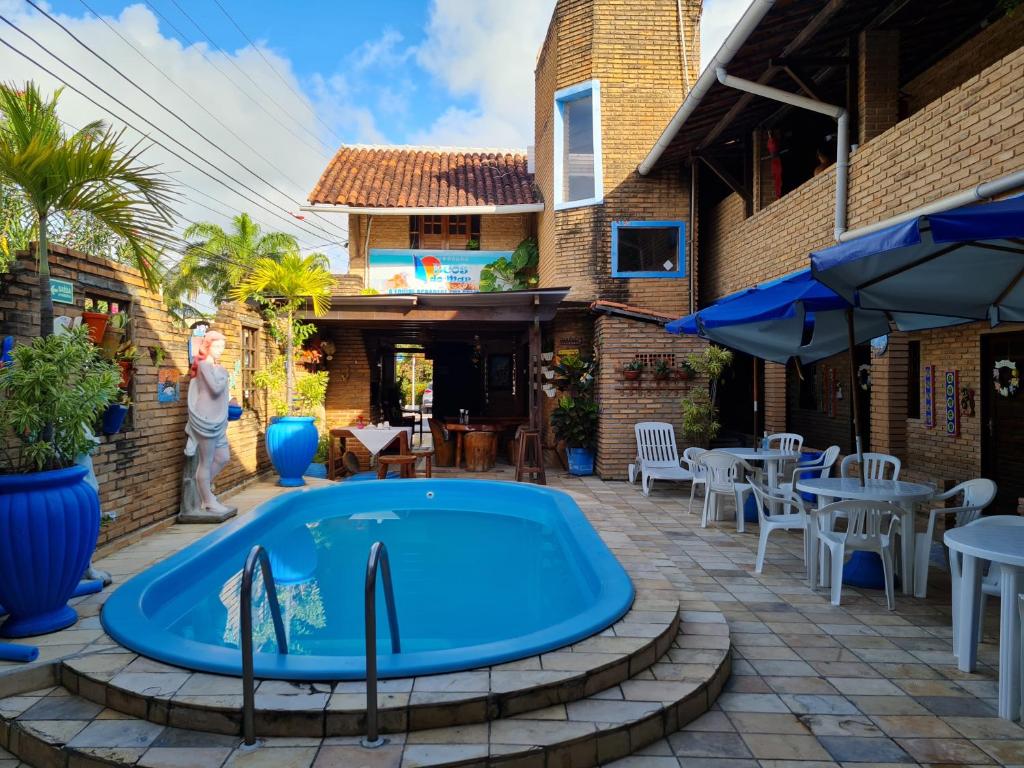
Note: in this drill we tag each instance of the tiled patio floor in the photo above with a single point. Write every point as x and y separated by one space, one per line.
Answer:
812 685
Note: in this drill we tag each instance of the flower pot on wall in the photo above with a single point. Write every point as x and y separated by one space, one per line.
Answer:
127 369
51 520
581 461
291 443
97 323
631 375
112 338
113 418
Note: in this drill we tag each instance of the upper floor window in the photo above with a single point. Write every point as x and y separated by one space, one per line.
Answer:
648 249
444 232
578 145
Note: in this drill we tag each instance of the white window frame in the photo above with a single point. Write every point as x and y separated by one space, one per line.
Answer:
563 96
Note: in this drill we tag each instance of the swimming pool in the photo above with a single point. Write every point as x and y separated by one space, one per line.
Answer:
484 572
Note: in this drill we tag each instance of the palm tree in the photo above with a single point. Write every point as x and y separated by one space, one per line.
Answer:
288 282
89 172
215 261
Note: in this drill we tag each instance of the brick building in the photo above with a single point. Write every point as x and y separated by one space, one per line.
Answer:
932 90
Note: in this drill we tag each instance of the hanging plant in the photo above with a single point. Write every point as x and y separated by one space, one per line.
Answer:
864 376
1007 383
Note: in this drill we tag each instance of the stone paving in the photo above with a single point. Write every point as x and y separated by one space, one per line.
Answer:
812 684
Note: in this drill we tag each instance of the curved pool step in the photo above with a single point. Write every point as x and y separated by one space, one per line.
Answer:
162 694
54 727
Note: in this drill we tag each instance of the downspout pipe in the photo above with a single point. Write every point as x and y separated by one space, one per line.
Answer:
748 22
839 114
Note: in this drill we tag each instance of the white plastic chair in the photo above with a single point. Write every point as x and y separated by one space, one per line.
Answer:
691 458
989 582
977 495
877 466
867 530
820 467
725 476
794 518
790 442
657 456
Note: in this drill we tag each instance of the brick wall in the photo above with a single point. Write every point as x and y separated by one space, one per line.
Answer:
623 403
348 388
139 469
878 82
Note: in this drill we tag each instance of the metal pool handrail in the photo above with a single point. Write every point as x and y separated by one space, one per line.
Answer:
378 558
256 555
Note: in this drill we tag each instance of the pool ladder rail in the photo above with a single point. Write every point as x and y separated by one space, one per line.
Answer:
376 562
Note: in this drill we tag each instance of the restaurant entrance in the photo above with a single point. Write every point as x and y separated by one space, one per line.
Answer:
1002 442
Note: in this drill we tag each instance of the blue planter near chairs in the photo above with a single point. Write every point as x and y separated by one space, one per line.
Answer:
113 418
49 522
291 443
581 461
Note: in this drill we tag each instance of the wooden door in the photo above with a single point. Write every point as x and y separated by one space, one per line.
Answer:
1003 422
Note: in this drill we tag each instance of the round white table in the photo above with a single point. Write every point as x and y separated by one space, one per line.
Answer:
898 492
1003 545
772 458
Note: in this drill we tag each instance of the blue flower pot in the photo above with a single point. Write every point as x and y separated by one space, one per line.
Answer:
113 418
581 461
234 412
291 443
49 522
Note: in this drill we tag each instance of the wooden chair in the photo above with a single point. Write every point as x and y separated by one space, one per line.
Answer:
428 458
480 449
444 447
406 463
529 441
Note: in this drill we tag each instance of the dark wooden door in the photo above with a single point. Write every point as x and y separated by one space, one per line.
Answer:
1003 423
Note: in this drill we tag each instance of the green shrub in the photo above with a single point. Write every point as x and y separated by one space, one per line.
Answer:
575 420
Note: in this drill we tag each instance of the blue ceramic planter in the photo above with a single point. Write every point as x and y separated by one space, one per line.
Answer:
291 443
48 527
581 461
113 418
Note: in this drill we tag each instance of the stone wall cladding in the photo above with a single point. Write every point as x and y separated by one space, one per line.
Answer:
139 469
624 403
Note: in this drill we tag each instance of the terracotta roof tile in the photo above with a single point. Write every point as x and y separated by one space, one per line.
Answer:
421 177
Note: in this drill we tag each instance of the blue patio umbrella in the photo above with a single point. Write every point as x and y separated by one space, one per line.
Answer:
969 261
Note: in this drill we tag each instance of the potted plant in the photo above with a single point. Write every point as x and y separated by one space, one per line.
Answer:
685 372
113 336
49 398
115 414
662 370
700 406
291 281
125 358
574 420
631 371
158 354
95 321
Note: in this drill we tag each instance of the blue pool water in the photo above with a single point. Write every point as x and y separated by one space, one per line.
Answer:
484 572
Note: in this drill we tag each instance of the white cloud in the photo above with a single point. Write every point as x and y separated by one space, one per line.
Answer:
293 154
485 51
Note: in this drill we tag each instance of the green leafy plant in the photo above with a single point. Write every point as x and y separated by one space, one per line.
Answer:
50 396
157 354
323 448
128 352
662 370
309 395
575 420
700 406
473 244
119 321
634 365
512 274
575 375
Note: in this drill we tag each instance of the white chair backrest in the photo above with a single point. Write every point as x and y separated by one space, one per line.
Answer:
978 494
877 466
692 458
786 441
656 444
863 517
764 496
723 470
822 466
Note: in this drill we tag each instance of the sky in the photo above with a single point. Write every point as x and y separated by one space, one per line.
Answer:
250 99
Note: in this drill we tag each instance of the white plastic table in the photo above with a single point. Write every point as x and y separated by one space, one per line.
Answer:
896 491
1003 545
773 458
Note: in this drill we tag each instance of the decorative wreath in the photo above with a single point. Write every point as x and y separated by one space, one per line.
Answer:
864 376
1003 387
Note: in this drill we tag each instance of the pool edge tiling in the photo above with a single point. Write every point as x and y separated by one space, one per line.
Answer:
127 616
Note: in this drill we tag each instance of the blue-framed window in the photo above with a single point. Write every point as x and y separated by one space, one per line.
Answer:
578 178
648 249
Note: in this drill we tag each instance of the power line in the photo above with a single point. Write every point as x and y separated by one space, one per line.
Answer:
150 123
170 112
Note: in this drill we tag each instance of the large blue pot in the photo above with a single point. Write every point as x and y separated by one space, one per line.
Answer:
581 461
291 443
49 522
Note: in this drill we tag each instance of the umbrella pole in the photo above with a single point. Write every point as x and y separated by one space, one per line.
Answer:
854 404
756 398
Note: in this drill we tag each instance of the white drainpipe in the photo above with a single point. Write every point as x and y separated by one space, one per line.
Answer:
839 114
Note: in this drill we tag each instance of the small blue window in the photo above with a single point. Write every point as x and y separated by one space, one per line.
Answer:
648 249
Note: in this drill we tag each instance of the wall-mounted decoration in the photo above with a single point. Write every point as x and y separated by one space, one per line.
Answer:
929 396
864 376
499 373
167 385
880 345
966 401
952 392
1006 378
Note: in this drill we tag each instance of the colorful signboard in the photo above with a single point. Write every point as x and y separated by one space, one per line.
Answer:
62 291
421 271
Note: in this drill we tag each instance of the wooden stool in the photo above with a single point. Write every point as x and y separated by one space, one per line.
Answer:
480 449
529 439
428 459
406 464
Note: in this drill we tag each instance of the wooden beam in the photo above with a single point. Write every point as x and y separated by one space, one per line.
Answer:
801 82
729 180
